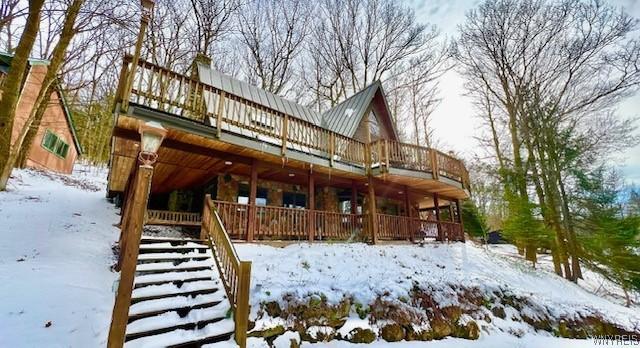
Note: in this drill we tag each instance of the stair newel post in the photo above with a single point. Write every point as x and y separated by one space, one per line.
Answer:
206 218
242 303
132 235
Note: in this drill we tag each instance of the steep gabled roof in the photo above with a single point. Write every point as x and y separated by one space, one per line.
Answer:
242 89
345 117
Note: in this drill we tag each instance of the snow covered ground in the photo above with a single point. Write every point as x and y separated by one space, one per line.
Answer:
57 288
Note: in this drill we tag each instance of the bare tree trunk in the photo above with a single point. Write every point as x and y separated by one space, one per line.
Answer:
46 89
13 83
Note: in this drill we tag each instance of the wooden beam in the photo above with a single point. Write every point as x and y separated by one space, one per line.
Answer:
253 191
184 147
312 206
436 203
138 206
373 219
354 197
459 208
451 217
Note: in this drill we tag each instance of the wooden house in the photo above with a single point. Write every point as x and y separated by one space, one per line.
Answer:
276 169
56 146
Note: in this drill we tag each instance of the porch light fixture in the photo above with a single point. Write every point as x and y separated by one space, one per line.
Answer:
151 136
228 163
291 175
400 192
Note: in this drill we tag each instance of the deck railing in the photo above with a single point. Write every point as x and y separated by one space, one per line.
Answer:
235 274
173 218
235 217
164 90
338 226
393 227
452 231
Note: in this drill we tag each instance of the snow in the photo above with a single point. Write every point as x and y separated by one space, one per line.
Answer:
55 259
56 255
366 272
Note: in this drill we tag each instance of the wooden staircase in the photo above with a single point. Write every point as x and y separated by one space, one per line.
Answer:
169 293
178 299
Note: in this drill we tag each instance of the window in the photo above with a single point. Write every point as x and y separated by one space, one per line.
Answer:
243 195
54 144
374 127
294 200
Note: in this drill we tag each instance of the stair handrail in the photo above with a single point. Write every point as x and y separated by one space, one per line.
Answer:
234 273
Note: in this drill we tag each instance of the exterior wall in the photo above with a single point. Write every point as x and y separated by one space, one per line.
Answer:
329 200
53 119
227 188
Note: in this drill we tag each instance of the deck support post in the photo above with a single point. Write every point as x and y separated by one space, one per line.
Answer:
436 203
407 209
373 219
253 192
132 232
354 197
459 210
312 206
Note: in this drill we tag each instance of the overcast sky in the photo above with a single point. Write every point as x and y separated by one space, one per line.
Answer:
454 122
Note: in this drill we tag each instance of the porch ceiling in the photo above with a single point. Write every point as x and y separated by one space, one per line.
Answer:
188 160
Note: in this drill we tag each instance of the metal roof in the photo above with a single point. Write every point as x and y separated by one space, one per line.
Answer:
257 95
345 117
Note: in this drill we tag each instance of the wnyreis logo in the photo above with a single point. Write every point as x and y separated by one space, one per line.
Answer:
617 340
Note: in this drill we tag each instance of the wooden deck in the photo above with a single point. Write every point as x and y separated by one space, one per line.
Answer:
206 121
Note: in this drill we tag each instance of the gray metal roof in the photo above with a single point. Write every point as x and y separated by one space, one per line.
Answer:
345 117
257 95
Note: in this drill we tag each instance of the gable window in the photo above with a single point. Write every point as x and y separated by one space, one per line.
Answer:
54 144
374 127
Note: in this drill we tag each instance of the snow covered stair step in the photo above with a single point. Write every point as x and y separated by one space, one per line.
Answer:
154 239
173 245
152 307
211 333
173 257
153 292
175 265
168 277
172 320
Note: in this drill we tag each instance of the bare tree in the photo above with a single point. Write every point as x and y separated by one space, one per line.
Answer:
272 33
550 73
11 86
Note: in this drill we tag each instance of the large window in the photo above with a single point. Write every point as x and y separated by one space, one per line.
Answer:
243 195
374 127
294 200
54 144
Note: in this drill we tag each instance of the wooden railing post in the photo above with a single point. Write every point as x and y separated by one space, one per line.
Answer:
220 114
120 315
285 126
242 303
332 147
434 164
